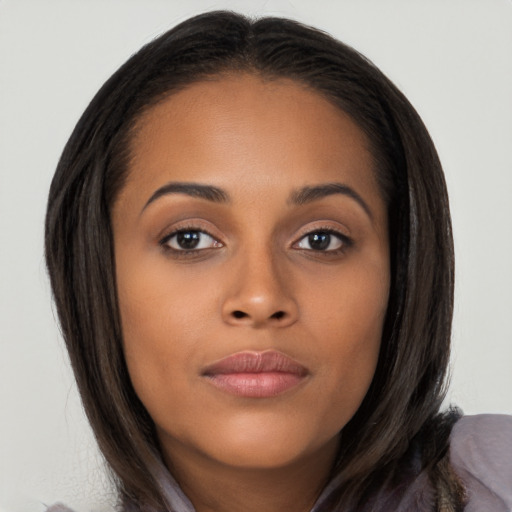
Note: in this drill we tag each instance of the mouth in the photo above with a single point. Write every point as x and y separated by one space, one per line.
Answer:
255 374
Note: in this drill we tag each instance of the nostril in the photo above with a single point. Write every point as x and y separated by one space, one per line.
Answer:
238 314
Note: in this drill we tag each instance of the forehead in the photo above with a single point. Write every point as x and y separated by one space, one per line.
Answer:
242 127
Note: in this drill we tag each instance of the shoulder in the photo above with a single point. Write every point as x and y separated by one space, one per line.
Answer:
481 454
483 442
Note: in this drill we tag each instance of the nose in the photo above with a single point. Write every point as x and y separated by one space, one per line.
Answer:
259 294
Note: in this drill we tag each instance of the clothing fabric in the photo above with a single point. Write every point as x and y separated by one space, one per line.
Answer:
480 453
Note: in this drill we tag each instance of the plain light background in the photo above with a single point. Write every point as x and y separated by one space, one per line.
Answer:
452 59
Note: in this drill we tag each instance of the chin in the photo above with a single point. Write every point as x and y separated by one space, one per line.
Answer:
264 456
267 445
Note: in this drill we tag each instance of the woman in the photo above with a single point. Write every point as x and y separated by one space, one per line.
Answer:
249 243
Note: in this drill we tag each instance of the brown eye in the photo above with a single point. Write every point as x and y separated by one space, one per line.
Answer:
322 241
190 240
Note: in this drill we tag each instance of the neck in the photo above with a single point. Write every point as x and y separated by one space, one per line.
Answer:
214 487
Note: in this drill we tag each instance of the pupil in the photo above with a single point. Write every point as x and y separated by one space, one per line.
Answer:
188 239
319 241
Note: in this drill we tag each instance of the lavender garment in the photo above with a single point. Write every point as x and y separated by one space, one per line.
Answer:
481 454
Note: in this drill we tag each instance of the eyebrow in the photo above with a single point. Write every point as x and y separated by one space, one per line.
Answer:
308 194
207 192
298 197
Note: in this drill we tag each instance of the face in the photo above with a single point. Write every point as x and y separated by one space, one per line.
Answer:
252 266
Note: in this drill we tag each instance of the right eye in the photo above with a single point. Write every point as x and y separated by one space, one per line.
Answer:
189 240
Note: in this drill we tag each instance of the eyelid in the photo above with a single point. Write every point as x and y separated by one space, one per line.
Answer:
308 230
187 226
324 226
166 241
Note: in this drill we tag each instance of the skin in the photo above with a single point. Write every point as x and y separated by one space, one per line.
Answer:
259 141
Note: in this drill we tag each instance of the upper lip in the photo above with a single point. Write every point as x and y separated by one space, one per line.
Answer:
255 362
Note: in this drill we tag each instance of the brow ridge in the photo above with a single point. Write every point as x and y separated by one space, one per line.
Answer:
207 192
312 193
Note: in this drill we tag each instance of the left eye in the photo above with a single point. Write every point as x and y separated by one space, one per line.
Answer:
321 241
190 240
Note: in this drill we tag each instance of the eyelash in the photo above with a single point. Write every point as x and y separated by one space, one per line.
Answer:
346 242
181 253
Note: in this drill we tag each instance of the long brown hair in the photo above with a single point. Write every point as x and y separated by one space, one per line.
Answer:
402 405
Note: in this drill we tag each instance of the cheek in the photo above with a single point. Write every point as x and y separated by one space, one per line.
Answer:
345 321
350 304
159 317
157 299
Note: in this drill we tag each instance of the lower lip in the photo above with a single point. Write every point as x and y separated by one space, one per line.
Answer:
256 385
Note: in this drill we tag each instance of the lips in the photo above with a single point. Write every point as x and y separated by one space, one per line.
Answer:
255 374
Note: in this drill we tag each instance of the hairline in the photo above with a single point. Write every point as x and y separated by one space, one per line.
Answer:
132 128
